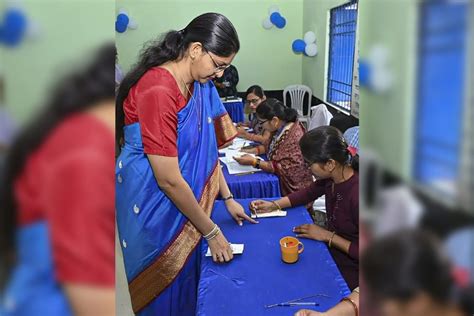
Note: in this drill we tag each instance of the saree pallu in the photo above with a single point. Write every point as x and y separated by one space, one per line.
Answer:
159 244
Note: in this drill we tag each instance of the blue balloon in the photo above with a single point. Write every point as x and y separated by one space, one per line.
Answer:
298 46
280 23
123 18
364 73
274 17
121 23
14 27
120 27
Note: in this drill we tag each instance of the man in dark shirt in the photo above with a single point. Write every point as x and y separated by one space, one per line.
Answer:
227 84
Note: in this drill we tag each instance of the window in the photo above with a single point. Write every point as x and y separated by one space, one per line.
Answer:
441 97
342 48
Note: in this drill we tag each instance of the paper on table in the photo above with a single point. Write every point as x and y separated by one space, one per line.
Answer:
237 249
270 214
235 168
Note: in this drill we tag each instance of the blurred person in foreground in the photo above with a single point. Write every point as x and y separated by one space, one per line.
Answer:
57 205
406 273
7 125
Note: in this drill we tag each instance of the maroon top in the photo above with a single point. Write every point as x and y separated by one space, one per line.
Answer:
342 209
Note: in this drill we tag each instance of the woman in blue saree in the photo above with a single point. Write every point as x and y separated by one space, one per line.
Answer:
170 123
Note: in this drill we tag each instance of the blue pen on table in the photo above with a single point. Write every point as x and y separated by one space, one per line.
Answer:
299 304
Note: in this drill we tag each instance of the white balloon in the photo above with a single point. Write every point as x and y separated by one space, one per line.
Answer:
379 55
267 24
381 80
311 50
132 24
273 8
33 29
309 37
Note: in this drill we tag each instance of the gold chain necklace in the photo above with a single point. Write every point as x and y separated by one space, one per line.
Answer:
192 98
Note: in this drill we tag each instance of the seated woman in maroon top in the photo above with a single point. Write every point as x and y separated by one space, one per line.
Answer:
335 166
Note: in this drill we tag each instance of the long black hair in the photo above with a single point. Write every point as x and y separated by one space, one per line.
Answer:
213 30
403 264
255 89
74 93
274 108
323 143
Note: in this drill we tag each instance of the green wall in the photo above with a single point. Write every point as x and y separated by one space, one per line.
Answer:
387 120
265 57
69 30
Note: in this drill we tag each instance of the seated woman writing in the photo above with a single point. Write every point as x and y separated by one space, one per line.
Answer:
284 154
335 165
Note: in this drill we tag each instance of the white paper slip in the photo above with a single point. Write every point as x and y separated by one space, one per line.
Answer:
270 214
237 249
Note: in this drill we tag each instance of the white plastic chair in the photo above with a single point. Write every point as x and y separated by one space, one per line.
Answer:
297 93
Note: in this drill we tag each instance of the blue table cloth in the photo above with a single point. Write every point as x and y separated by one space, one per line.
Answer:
259 277
235 108
256 185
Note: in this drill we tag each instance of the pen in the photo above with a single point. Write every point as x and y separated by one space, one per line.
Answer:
299 304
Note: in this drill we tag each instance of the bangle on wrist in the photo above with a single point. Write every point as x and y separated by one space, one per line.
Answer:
278 207
330 239
354 305
230 197
213 231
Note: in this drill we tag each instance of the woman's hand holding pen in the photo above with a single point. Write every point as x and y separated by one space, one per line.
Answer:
261 206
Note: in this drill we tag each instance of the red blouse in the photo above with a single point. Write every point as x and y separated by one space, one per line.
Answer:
154 102
68 182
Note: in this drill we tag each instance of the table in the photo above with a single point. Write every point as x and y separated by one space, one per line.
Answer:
256 185
235 108
258 277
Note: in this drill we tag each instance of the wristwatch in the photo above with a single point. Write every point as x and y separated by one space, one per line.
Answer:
228 198
257 164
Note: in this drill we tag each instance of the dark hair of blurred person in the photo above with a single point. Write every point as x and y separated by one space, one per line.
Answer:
407 274
57 202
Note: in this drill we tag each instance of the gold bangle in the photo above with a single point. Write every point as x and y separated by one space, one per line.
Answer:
330 239
214 235
277 205
211 232
354 305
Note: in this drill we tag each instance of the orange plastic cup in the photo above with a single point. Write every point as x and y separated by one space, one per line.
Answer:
290 249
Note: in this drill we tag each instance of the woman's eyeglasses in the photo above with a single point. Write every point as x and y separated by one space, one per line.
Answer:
218 68
261 121
253 101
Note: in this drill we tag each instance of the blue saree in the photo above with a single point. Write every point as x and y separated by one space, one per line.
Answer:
159 244
33 288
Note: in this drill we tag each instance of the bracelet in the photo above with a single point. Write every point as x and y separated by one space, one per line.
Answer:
277 205
354 305
213 230
215 235
257 164
330 239
228 198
